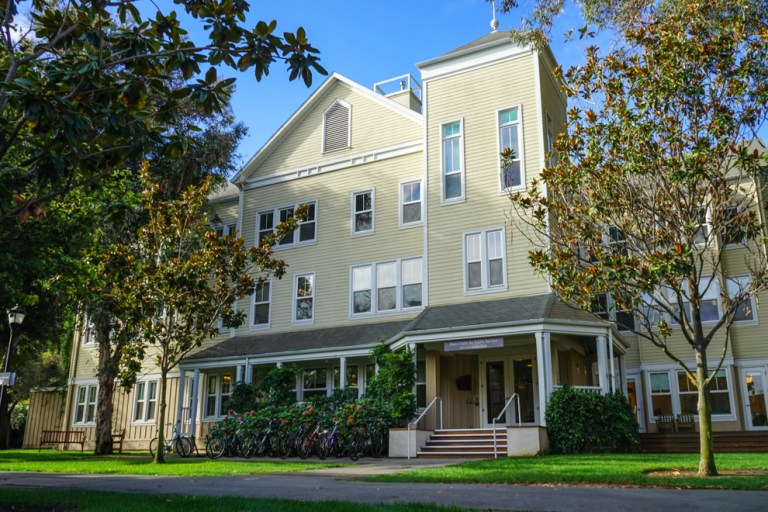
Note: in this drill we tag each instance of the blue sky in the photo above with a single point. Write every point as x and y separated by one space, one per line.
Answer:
365 41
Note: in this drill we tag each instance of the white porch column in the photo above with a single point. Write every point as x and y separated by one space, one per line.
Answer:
412 346
248 371
602 365
623 373
610 356
541 367
239 373
180 400
193 406
342 372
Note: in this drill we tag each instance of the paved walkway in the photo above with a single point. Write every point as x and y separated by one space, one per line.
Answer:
336 484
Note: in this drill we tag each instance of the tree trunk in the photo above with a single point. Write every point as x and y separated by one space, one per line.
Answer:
704 407
108 366
159 449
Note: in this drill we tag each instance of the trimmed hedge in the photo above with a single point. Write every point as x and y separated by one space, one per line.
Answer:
584 422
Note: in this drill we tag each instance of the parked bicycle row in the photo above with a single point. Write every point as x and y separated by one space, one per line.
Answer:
279 438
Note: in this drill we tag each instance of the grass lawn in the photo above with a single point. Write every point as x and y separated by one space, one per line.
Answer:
90 501
57 461
610 469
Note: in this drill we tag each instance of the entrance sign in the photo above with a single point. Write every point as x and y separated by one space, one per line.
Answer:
456 346
7 378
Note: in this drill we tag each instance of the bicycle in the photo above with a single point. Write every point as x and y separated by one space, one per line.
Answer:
309 443
232 444
182 445
332 443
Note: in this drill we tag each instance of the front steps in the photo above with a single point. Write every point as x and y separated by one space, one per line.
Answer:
464 443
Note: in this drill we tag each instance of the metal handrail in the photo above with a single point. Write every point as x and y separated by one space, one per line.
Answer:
497 418
423 413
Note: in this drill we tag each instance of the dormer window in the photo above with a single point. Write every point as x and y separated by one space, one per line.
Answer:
336 122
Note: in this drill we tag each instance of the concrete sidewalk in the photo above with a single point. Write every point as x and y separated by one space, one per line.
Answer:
336 484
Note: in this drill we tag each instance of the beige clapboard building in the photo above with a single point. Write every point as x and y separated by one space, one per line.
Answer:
410 240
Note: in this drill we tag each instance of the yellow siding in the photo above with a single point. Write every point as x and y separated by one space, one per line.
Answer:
373 126
46 412
226 211
492 88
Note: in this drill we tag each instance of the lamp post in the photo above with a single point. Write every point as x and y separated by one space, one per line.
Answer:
15 318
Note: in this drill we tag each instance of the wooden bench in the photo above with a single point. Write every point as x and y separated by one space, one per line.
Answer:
117 441
64 437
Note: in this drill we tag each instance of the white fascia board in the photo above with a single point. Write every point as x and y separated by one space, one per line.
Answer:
319 93
671 365
474 58
287 357
336 165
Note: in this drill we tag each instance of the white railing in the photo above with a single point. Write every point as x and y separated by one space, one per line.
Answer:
399 83
588 389
423 413
514 396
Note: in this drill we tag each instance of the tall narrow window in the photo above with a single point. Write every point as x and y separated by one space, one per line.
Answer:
411 203
362 204
509 138
738 285
386 286
266 224
304 302
285 214
452 162
85 407
735 232
210 395
412 283
336 122
226 392
262 304
361 289
661 394
146 401
702 228
484 258
308 226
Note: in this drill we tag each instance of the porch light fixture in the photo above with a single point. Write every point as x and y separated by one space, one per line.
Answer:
16 316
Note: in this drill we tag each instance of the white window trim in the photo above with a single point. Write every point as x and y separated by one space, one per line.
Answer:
328 380
402 204
461 198
353 223
674 389
349 127
521 140
484 262
276 220
87 385
254 326
374 289
89 336
225 229
146 401
217 393
295 299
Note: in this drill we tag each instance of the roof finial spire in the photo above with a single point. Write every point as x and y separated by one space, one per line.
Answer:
494 21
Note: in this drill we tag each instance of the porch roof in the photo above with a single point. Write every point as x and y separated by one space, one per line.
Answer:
514 310
301 341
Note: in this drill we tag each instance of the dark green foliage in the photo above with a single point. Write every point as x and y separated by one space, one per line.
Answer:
391 389
277 386
581 422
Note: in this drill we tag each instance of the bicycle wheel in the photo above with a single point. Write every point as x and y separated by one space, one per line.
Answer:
215 447
304 448
377 444
190 444
182 447
152 446
324 446
247 446
357 446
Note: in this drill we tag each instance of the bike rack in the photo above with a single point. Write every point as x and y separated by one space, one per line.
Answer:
424 412
497 418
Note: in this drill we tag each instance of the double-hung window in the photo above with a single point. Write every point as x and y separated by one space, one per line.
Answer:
229 230
351 379
702 226
362 212
386 287
484 257
217 393
146 401
85 405
661 394
262 305
709 304
673 393
734 232
509 139
738 287
306 232
453 166
315 382
304 299
410 199
604 306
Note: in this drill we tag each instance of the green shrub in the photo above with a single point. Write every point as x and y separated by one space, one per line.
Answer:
391 389
583 422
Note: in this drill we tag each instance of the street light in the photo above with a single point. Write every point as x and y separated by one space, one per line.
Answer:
15 318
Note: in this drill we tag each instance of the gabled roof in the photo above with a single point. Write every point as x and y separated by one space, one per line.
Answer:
307 106
227 191
497 38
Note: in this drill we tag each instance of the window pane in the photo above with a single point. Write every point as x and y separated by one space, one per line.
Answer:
496 273
684 384
261 314
721 403
361 302
412 295
494 245
386 274
453 186
412 271
688 403
361 278
625 320
511 175
363 221
474 278
411 213
306 232
285 213
662 405
304 309
305 286
387 298
473 247
508 116
660 382
452 129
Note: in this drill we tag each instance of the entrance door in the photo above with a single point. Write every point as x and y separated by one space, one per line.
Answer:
635 397
500 378
754 382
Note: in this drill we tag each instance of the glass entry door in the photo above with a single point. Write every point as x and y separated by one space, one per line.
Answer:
500 378
756 400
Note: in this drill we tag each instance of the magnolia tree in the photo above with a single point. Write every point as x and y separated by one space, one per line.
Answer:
179 279
656 179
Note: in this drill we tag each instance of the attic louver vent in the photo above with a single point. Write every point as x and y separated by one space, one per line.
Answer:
336 128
